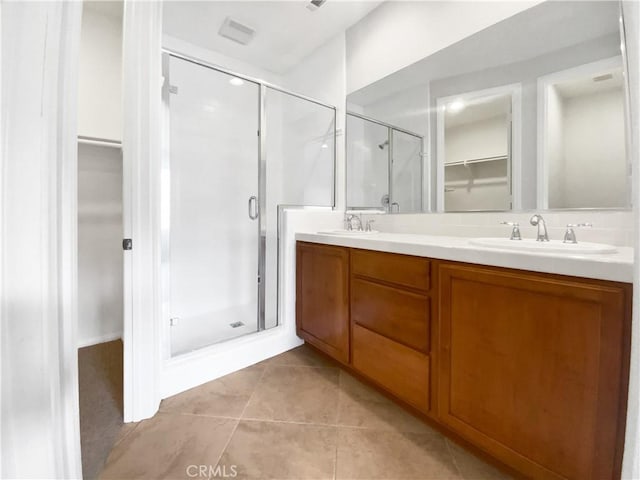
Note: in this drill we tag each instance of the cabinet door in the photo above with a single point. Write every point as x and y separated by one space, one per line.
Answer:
322 299
532 366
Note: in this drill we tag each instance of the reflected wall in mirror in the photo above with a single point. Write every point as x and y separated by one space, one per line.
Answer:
582 141
384 171
540 120
474 144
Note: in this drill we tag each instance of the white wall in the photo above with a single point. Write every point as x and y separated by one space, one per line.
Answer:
39 427
631 458
100 81
100 281
554 149
595 170
397 34
219 59
474 140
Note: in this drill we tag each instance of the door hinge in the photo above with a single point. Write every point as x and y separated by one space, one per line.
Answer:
173 89
127 244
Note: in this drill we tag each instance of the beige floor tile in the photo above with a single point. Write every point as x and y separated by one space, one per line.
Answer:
165 445
375 454
125 430
361 406
302 356
224 397
472 467
272 450
298 394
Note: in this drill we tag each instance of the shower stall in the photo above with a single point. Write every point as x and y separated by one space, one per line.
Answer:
235 149
384 166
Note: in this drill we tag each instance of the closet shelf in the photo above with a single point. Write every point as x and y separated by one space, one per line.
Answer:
476 160
100 142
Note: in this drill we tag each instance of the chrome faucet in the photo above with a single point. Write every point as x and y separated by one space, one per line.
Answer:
538 221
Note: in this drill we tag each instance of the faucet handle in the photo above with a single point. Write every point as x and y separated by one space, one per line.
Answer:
347 221
570 234
369 222
515 231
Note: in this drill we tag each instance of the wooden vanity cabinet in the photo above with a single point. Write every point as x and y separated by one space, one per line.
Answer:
530 368
322 298
533 368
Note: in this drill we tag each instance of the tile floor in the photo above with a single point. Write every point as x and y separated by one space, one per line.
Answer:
295 416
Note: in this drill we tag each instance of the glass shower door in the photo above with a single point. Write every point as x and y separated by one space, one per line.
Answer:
406 186
368 151
213 225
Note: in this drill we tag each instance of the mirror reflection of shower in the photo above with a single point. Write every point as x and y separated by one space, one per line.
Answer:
389 176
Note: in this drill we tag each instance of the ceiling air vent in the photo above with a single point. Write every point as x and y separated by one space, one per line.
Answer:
236 31
315 4
602 78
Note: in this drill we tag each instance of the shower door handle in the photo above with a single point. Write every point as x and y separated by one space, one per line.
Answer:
253 207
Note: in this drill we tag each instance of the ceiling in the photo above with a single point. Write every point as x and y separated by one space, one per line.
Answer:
587 86
286 31
479 109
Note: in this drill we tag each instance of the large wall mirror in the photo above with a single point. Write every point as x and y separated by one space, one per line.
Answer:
529 113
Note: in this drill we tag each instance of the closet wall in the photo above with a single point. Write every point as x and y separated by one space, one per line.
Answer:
100 272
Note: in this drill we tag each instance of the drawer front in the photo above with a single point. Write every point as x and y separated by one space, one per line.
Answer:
397 314
402 270
399 369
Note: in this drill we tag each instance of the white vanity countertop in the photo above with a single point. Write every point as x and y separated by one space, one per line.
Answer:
615 266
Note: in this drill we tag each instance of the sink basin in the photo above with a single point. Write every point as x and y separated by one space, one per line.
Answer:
554 246
348 232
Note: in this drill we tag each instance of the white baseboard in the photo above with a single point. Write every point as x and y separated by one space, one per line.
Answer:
100 339
193 369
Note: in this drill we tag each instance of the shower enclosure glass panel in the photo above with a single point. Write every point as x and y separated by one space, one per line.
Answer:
367 164
300 152
406 189
213 206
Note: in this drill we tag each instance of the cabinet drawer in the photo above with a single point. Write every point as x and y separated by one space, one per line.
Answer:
399 369
397 314
403 270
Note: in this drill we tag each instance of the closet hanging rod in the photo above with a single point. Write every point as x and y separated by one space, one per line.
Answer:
476 160
101 142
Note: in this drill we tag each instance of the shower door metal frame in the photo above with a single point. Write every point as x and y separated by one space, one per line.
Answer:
262 190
